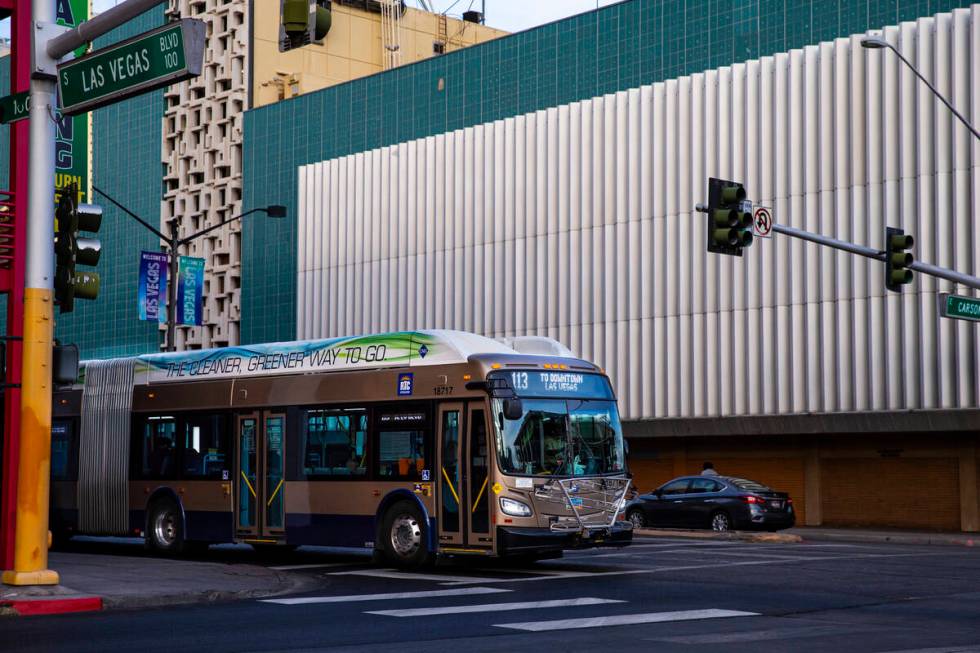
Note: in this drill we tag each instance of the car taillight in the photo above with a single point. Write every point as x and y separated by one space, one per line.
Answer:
789 500
751 499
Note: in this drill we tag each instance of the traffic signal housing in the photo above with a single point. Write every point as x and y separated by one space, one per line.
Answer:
897 259
72 249
729 221
303 22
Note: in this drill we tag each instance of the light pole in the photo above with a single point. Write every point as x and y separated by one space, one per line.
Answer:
174 243
876 43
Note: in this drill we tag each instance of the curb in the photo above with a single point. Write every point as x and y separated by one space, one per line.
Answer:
64 601
57 605
739 536
924 539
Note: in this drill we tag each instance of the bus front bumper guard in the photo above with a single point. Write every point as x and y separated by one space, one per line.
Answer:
514 540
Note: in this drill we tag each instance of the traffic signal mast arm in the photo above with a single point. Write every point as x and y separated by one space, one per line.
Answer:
879 255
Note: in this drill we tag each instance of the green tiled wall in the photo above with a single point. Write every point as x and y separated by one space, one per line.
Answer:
618 47
126 153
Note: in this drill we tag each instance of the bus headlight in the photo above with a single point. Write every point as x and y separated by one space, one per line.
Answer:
515 508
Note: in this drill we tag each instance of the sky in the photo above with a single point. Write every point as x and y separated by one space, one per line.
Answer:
508 15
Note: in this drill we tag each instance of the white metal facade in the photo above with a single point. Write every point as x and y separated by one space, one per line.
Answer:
577 222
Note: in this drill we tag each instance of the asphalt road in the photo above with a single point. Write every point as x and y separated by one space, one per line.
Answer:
661 595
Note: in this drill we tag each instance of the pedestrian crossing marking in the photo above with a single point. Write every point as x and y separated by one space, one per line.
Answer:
625 620
467 591
404 575
493 607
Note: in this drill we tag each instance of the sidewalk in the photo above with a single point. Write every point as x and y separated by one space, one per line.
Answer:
882 536
94 582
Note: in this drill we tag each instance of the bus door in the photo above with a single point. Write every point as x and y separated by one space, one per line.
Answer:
463 494
259 512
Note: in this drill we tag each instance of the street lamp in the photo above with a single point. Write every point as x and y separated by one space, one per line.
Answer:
173 244
876 43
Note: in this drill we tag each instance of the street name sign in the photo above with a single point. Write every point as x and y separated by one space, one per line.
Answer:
15 107
160 57
958 307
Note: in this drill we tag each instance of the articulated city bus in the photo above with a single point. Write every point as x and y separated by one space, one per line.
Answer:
415 444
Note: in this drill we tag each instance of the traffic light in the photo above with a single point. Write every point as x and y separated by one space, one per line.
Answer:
897 260
303 22
71 249
729 221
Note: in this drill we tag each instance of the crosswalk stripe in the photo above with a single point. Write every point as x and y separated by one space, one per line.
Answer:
467 591
493 607
404 575
625 620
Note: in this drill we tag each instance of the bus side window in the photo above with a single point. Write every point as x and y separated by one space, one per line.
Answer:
401 454
158 449
335 443
206 441
63 452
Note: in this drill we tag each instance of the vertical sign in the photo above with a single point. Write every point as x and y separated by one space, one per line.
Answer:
72 152
152 289
189 289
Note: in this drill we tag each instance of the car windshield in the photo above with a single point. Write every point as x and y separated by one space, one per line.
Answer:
561 437
745 484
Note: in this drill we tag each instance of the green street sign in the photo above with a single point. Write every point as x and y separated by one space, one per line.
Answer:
160 57
15 107
959 308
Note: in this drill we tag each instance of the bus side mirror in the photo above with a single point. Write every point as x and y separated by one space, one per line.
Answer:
513 409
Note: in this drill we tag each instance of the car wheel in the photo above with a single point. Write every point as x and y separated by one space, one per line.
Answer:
165 529
636 518
721 522
405 536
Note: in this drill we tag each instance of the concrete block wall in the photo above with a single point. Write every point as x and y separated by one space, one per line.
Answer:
202 157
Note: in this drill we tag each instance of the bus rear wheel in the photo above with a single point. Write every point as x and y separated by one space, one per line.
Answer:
405 536
165 529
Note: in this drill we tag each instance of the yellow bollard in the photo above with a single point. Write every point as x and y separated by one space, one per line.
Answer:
33 483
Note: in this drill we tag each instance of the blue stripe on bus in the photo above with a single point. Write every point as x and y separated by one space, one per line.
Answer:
330 530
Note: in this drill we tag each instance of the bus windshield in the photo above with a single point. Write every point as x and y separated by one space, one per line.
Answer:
561 437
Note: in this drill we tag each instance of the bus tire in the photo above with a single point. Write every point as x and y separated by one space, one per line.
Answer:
165 528
405 536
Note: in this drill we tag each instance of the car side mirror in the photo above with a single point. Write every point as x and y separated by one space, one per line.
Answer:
513 409
659 493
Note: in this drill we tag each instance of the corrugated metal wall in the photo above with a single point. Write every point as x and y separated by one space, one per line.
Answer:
577 222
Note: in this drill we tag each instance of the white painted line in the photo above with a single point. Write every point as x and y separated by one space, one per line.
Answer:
728 563
324 565
403 575
942 649
493 607
351 598
625 620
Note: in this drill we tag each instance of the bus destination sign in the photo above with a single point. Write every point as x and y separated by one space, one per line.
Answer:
578 385
158 58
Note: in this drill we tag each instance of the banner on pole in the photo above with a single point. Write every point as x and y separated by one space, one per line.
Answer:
191 276
152 291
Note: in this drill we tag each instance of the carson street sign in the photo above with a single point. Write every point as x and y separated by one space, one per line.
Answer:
959 307
160 57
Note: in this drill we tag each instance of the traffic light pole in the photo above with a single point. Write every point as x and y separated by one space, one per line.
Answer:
879 255
50 44
31 537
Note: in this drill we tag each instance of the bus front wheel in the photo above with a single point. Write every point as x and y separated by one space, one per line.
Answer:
405 536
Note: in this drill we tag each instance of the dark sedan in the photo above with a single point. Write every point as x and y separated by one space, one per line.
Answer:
721 503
